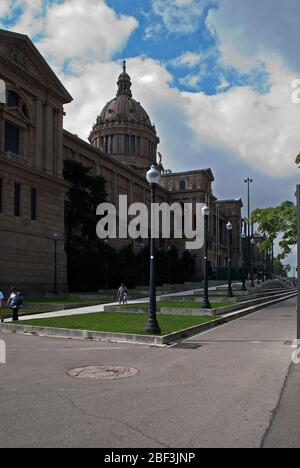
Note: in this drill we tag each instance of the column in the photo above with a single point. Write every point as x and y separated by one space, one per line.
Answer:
49 146
39 135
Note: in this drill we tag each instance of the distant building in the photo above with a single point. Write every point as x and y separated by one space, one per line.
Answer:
122 146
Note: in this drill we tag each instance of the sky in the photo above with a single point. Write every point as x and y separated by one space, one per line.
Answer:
215 77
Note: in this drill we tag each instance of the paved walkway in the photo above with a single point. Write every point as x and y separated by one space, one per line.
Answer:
99 308
221 391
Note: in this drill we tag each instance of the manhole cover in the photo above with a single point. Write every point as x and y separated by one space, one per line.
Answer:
103 372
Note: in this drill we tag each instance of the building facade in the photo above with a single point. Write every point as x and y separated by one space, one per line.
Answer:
122 146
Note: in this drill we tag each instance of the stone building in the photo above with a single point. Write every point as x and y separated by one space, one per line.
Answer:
122 146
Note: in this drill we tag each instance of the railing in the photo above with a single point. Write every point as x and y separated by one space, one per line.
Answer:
16 158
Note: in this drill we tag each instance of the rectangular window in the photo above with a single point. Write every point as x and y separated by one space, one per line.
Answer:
111 150
127 143
33 204
17 200
106 144
12 138
133 148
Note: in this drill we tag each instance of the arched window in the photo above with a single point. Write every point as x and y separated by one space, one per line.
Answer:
13 100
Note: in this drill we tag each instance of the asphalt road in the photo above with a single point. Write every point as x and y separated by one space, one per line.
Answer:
222 394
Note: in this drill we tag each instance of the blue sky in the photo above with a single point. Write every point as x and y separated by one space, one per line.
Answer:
214 76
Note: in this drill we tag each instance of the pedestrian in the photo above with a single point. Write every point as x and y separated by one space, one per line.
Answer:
1 306
14 302
123 294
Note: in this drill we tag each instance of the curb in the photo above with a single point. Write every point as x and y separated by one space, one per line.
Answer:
133 338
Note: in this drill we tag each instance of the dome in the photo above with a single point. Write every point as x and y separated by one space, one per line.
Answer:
124 108
124 130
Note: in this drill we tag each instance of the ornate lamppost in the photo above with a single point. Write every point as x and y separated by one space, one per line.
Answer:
229 228
206 213
153 328
169 264
106 244
243 288
55 238
252 263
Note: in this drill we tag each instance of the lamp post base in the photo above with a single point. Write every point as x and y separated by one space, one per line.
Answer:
153 327
206 304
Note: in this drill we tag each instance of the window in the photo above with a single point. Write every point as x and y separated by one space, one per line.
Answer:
111 145
12 138
138 143
106 144
127 144
33 204
13 99
17 200
133 147
182 185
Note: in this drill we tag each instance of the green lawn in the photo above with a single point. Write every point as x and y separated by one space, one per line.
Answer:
118 322
26 310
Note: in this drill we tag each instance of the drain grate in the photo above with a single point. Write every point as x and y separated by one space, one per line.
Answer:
191 345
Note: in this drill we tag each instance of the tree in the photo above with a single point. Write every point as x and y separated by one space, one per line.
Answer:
281 269
84 250
276 222
85 193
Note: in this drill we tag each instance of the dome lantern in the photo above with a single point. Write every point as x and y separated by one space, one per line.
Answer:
124 83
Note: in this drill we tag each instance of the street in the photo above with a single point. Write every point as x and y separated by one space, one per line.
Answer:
219 389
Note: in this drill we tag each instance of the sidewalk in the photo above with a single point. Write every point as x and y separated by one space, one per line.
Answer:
284 430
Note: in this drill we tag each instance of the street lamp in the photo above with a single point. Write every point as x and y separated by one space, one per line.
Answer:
248 181
142 262
252 263
243 262
229 228
206 213
153 176
169 264
106 243
55 238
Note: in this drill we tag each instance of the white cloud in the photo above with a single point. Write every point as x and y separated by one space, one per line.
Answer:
249 31
76 29
262 130
96 84
258 129
188 59
5 6
180 16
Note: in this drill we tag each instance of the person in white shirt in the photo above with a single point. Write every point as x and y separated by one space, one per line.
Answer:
1 305
15 302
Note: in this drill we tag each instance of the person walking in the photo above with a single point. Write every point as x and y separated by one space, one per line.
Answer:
14 302
1 306
123 294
